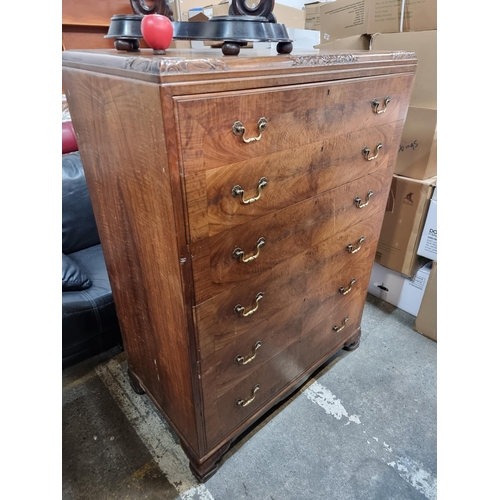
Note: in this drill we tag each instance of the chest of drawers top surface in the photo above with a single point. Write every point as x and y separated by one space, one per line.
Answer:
239 254
182 66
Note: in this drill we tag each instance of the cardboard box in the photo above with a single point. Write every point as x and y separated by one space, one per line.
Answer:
344 18
220 9
289 16
312 13
428 241
404 293
312 8
417 155
312 23
403 223
424 44
358 42
426 322
185 6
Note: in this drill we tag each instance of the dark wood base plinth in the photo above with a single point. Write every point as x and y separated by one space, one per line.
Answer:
203 471
353 343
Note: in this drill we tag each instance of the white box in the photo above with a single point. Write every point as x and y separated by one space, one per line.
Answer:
303 39
428 242
404 293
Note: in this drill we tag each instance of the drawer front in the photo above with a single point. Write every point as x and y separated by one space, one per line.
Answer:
295 116
243 400
241 192
282 356
301 120
313 274
249 394
326 299
251 249
249 352
332 333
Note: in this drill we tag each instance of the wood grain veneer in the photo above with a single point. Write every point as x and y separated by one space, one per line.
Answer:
161 159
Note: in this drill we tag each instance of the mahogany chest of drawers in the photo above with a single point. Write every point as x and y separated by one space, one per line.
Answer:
239 202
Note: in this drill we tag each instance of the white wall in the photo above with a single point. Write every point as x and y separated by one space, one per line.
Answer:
298 4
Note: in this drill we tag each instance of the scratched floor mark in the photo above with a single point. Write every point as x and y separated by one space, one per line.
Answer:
408 469
415 474
323 397
162 446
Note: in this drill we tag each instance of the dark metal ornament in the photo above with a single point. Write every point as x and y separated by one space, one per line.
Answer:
159 7
243 24
263 9
126 30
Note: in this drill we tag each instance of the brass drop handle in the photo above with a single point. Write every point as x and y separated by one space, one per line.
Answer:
376 104
239 129
244 361
246 402
345 291
358 200
350 248
340 328
238 191
366 152
239 309
238 253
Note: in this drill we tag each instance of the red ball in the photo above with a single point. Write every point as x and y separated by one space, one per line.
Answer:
157 31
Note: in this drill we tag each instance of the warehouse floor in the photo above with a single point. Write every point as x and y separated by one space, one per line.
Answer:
363 428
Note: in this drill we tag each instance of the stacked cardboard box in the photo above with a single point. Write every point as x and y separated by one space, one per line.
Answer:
312 15
346 18
416 173
407 251
416 165
404 219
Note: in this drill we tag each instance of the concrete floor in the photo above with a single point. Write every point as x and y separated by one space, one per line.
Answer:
364 428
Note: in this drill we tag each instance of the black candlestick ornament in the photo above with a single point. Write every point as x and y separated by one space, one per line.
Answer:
243 24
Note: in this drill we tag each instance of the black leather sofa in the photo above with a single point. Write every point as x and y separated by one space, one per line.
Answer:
89 321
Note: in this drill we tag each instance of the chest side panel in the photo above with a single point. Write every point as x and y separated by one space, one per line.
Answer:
119 127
